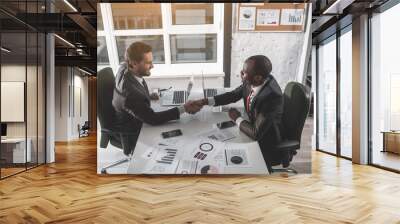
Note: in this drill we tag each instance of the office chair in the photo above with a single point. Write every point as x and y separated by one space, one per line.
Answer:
106 114
296 106
84 129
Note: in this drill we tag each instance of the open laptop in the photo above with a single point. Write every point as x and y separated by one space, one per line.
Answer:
177 97
210 92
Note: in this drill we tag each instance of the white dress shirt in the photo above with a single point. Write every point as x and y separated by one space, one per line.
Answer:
255 90
140 80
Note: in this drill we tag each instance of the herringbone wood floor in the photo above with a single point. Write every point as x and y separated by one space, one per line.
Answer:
70 191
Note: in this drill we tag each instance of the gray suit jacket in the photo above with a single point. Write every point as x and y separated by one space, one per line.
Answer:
131 101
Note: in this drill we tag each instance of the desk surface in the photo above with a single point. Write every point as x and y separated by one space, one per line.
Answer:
191 126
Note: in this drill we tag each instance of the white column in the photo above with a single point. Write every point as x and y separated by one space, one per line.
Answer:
50 99
360 90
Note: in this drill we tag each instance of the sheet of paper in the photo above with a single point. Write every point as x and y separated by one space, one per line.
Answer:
210 168
292 17
218 135
268 17
204 149
237 157
165 162
247 18
187 166
149 153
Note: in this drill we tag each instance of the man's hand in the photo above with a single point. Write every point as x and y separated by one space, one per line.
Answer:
192 107
154 96
201 102
234 114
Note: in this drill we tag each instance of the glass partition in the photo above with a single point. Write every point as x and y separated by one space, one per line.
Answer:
385 89
346 93
327 96
23 88
13 94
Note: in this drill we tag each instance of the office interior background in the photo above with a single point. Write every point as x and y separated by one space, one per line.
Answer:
353 132
39 108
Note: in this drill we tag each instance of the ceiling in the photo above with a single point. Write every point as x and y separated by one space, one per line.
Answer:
331 15
72 20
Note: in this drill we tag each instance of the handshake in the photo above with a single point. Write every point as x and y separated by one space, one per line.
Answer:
194 106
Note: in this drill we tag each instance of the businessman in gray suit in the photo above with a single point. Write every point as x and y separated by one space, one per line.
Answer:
131 98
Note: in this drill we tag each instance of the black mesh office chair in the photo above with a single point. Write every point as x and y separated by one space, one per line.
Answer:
106 114
295 110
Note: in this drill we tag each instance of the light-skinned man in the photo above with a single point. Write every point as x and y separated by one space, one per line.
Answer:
131 98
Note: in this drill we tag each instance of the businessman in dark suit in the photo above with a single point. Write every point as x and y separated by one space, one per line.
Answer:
131 98
263 102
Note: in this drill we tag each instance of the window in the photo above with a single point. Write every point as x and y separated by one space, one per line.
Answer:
155 41
327 96
100 25
191 14
102 56
385 88
186 38
128 16
346 93
193 48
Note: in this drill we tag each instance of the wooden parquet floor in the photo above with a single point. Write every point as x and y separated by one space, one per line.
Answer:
70 191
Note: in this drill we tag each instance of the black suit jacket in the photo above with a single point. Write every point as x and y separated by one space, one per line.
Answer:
131 101
265 115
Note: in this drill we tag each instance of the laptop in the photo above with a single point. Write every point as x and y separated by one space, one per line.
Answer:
210 92
177 97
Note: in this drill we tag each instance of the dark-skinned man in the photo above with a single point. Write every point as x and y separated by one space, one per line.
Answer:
263 102
131 98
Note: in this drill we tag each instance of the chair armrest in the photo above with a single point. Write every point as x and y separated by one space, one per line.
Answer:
104 139
288 145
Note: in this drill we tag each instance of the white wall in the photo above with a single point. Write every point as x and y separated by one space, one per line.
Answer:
284 49
68 80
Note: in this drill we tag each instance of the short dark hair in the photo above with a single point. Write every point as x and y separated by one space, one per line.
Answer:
136 51
262 65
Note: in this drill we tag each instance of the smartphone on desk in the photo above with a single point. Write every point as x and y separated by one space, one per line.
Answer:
173 133
226 124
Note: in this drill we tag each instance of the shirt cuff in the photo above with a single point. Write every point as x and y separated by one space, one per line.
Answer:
211 101
239 120
181 109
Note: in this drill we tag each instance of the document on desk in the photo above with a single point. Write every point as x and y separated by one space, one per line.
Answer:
237 156
217 135
165 162
187 166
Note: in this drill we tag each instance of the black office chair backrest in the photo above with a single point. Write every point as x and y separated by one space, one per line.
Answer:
295 110
105 89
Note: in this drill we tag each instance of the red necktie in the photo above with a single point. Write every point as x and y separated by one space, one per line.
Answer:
248 101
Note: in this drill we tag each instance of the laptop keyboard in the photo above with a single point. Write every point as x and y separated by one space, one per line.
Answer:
179 97
210 92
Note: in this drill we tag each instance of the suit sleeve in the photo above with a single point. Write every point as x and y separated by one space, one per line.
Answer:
139 108
229 97
265 118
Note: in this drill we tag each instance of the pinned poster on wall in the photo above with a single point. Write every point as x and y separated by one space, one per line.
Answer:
268 17
247 18
271 17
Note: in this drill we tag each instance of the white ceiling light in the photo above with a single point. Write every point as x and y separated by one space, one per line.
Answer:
70 5
5 50
86 72
65 41
337 7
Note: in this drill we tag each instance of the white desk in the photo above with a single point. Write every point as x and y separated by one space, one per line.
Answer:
18 149
191 125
